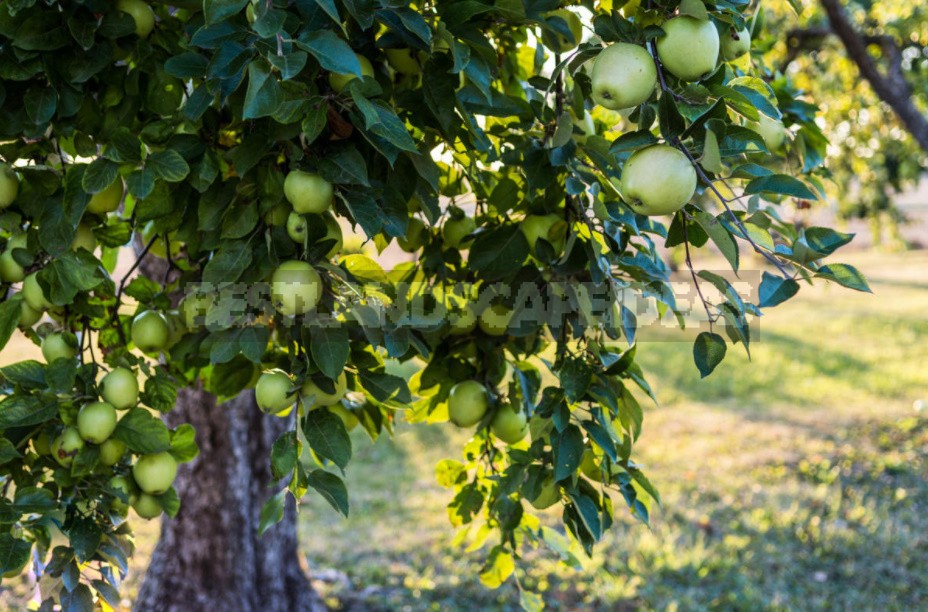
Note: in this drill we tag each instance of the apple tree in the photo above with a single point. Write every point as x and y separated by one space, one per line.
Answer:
177 181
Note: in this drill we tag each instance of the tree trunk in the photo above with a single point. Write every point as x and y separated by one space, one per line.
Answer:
210 556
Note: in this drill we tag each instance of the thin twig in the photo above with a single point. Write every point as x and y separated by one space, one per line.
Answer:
689 264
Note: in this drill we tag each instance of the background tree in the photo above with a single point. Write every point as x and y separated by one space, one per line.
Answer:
867 59
230 138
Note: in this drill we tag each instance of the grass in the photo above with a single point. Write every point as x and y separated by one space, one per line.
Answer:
796 480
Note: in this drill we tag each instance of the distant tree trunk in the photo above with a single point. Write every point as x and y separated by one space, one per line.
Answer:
210 556
891 86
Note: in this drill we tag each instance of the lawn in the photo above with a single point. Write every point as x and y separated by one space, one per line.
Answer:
794 480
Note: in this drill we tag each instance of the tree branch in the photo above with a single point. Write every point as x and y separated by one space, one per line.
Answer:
892 88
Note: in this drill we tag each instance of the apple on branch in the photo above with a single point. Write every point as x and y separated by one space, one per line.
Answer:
658 180
623 76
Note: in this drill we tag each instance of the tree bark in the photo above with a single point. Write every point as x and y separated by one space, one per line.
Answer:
210 556
892 88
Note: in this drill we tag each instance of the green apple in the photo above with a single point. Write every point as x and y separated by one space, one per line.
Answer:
59 346
547 496
111 451
120 388
405 60
66 446
155 473
96 422
509 425
297 227
462 318
9 185
274 392
333 231
108 200
296 288
150 331
41 444
147 506
28 316
467 403
558 42
338 82
494 321
124 485
84 238
735 43
623 76
10 270
279 214
416 234
33 294
308 192
771 130
551 228
658 180
690 48
349 419
177 328
455 232
313 396
194 307
142 14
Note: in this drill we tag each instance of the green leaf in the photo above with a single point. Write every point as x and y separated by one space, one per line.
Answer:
330 349
719 235
498 253
385 388
23 410
824 240
382 121
10 311
331 487
186 65
845 275
711 158
499 567
775 290
314 122
99 175
220 10
780 184
183 443
8 452
345 166
568 452
575 376
142 432
272 512
263 96
78 600
332 53
14 553
326 434
284 454
160 393
30 373
289 65
708 352
168 165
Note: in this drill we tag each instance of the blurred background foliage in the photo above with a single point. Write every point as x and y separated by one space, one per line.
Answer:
872 156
